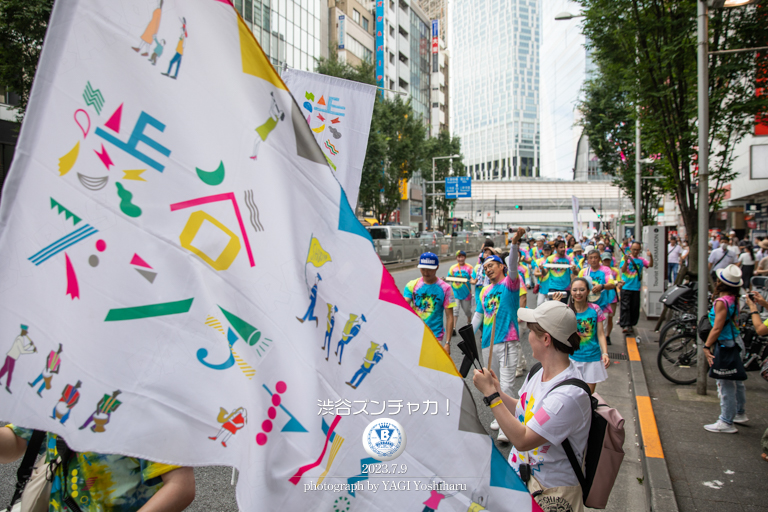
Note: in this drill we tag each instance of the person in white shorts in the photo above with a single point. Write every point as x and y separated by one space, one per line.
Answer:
592 356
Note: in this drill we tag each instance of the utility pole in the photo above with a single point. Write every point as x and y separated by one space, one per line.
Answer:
638 182
703 92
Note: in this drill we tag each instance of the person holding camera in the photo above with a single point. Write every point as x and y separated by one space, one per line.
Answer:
632 266
544 417
725 334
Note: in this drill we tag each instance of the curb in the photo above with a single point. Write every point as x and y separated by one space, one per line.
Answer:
660 495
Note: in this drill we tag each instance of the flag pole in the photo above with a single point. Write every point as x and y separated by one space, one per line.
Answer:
311 236
493 335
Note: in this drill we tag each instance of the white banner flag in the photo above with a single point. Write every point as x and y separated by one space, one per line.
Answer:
339 114
576 228
176 248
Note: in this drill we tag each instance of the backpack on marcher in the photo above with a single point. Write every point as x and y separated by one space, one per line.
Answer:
605 451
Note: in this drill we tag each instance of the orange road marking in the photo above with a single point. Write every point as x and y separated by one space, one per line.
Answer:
651 439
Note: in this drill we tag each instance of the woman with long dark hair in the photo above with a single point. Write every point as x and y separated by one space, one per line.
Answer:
746 263
725 333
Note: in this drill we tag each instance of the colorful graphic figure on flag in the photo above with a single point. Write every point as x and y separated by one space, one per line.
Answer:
52 364
69 398
179 50
351 329
151 31
230 424
158 51
326 113
310 314
330 322
275 115
101 416
372 357
21 345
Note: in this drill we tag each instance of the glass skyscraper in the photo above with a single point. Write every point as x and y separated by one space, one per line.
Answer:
494 47
289 31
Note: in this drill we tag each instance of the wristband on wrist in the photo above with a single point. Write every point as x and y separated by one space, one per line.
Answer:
499 402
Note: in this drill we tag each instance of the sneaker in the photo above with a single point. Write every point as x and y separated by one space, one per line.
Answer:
625 330
741 419
519 373
721 427
494 425
502 438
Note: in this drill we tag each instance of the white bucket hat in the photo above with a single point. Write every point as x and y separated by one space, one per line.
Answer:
556 318
730 275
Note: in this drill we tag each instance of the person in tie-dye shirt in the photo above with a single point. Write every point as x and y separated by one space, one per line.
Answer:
632 267
432 298
497 311
461 291
96 482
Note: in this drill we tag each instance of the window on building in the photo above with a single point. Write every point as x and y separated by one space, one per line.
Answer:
359 49
356 16
392 4
365 23
248 14
391 31
403 32
403 58
392 58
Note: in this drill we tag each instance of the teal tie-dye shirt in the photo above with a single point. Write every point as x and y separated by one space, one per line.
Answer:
502 301
430 301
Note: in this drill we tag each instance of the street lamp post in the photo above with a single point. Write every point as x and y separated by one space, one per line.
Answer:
703 161
435 158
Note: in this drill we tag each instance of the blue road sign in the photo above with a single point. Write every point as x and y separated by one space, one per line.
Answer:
458 187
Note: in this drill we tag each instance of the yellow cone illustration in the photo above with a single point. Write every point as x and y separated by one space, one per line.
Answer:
68 161
317 255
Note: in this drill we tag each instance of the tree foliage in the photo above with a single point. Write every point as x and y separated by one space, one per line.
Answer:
22 29
645 52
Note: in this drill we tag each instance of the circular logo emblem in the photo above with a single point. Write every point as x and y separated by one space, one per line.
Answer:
384 439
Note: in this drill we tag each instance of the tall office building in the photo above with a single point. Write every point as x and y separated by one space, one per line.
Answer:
352 30
565 65
494 89
293 32
437 10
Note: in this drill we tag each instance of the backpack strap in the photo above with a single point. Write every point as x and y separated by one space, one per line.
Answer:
535 368
567 444
27 463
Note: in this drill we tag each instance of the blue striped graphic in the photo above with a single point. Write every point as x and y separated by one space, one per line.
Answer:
62 243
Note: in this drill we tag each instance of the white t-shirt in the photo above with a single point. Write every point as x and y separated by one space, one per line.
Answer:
746 258
564 413
673 253
720 259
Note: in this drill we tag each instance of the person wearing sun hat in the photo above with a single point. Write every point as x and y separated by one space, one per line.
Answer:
725 333
543 417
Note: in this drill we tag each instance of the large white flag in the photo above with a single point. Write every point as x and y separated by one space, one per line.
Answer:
339 114
166 202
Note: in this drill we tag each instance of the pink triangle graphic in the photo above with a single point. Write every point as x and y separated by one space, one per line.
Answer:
136 260
114 121
389 292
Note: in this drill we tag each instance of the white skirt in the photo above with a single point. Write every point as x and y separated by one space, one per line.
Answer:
592 372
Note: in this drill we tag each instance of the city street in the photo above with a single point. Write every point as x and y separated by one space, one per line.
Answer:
214 492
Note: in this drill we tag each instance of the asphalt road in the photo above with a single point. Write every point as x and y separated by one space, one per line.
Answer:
214 492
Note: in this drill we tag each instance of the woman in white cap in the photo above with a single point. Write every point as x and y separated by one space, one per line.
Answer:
723 317
545 415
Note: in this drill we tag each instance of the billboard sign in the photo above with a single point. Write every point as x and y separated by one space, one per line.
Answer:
435 37
380 44
342 21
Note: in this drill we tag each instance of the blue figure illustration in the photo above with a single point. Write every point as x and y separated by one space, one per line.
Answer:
179 50
372 357
351 329
310 314
329 330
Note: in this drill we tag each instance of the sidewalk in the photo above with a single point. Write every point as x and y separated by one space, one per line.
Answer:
708 471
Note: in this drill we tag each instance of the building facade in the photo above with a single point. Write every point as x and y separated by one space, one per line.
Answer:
352 28
494 86
291 32
437 10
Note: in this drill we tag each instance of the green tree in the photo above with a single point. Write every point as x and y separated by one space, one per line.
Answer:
22 29
443 145
646 50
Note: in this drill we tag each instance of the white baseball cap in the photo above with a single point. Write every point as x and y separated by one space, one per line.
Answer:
556 318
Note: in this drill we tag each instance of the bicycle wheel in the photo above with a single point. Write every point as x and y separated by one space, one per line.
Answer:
672 328
677 359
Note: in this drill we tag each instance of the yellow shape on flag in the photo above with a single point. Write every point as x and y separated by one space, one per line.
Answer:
434 356
134 174
68 161
317 255
254 61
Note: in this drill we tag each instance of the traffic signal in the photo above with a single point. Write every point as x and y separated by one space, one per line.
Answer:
518 207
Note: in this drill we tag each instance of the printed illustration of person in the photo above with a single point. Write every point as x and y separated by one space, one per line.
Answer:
329 323
372 357
158 51
351 329
21 345
52 364
151 31
69 398
433 502
179 50
310 314
100 417
275 115
231 423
